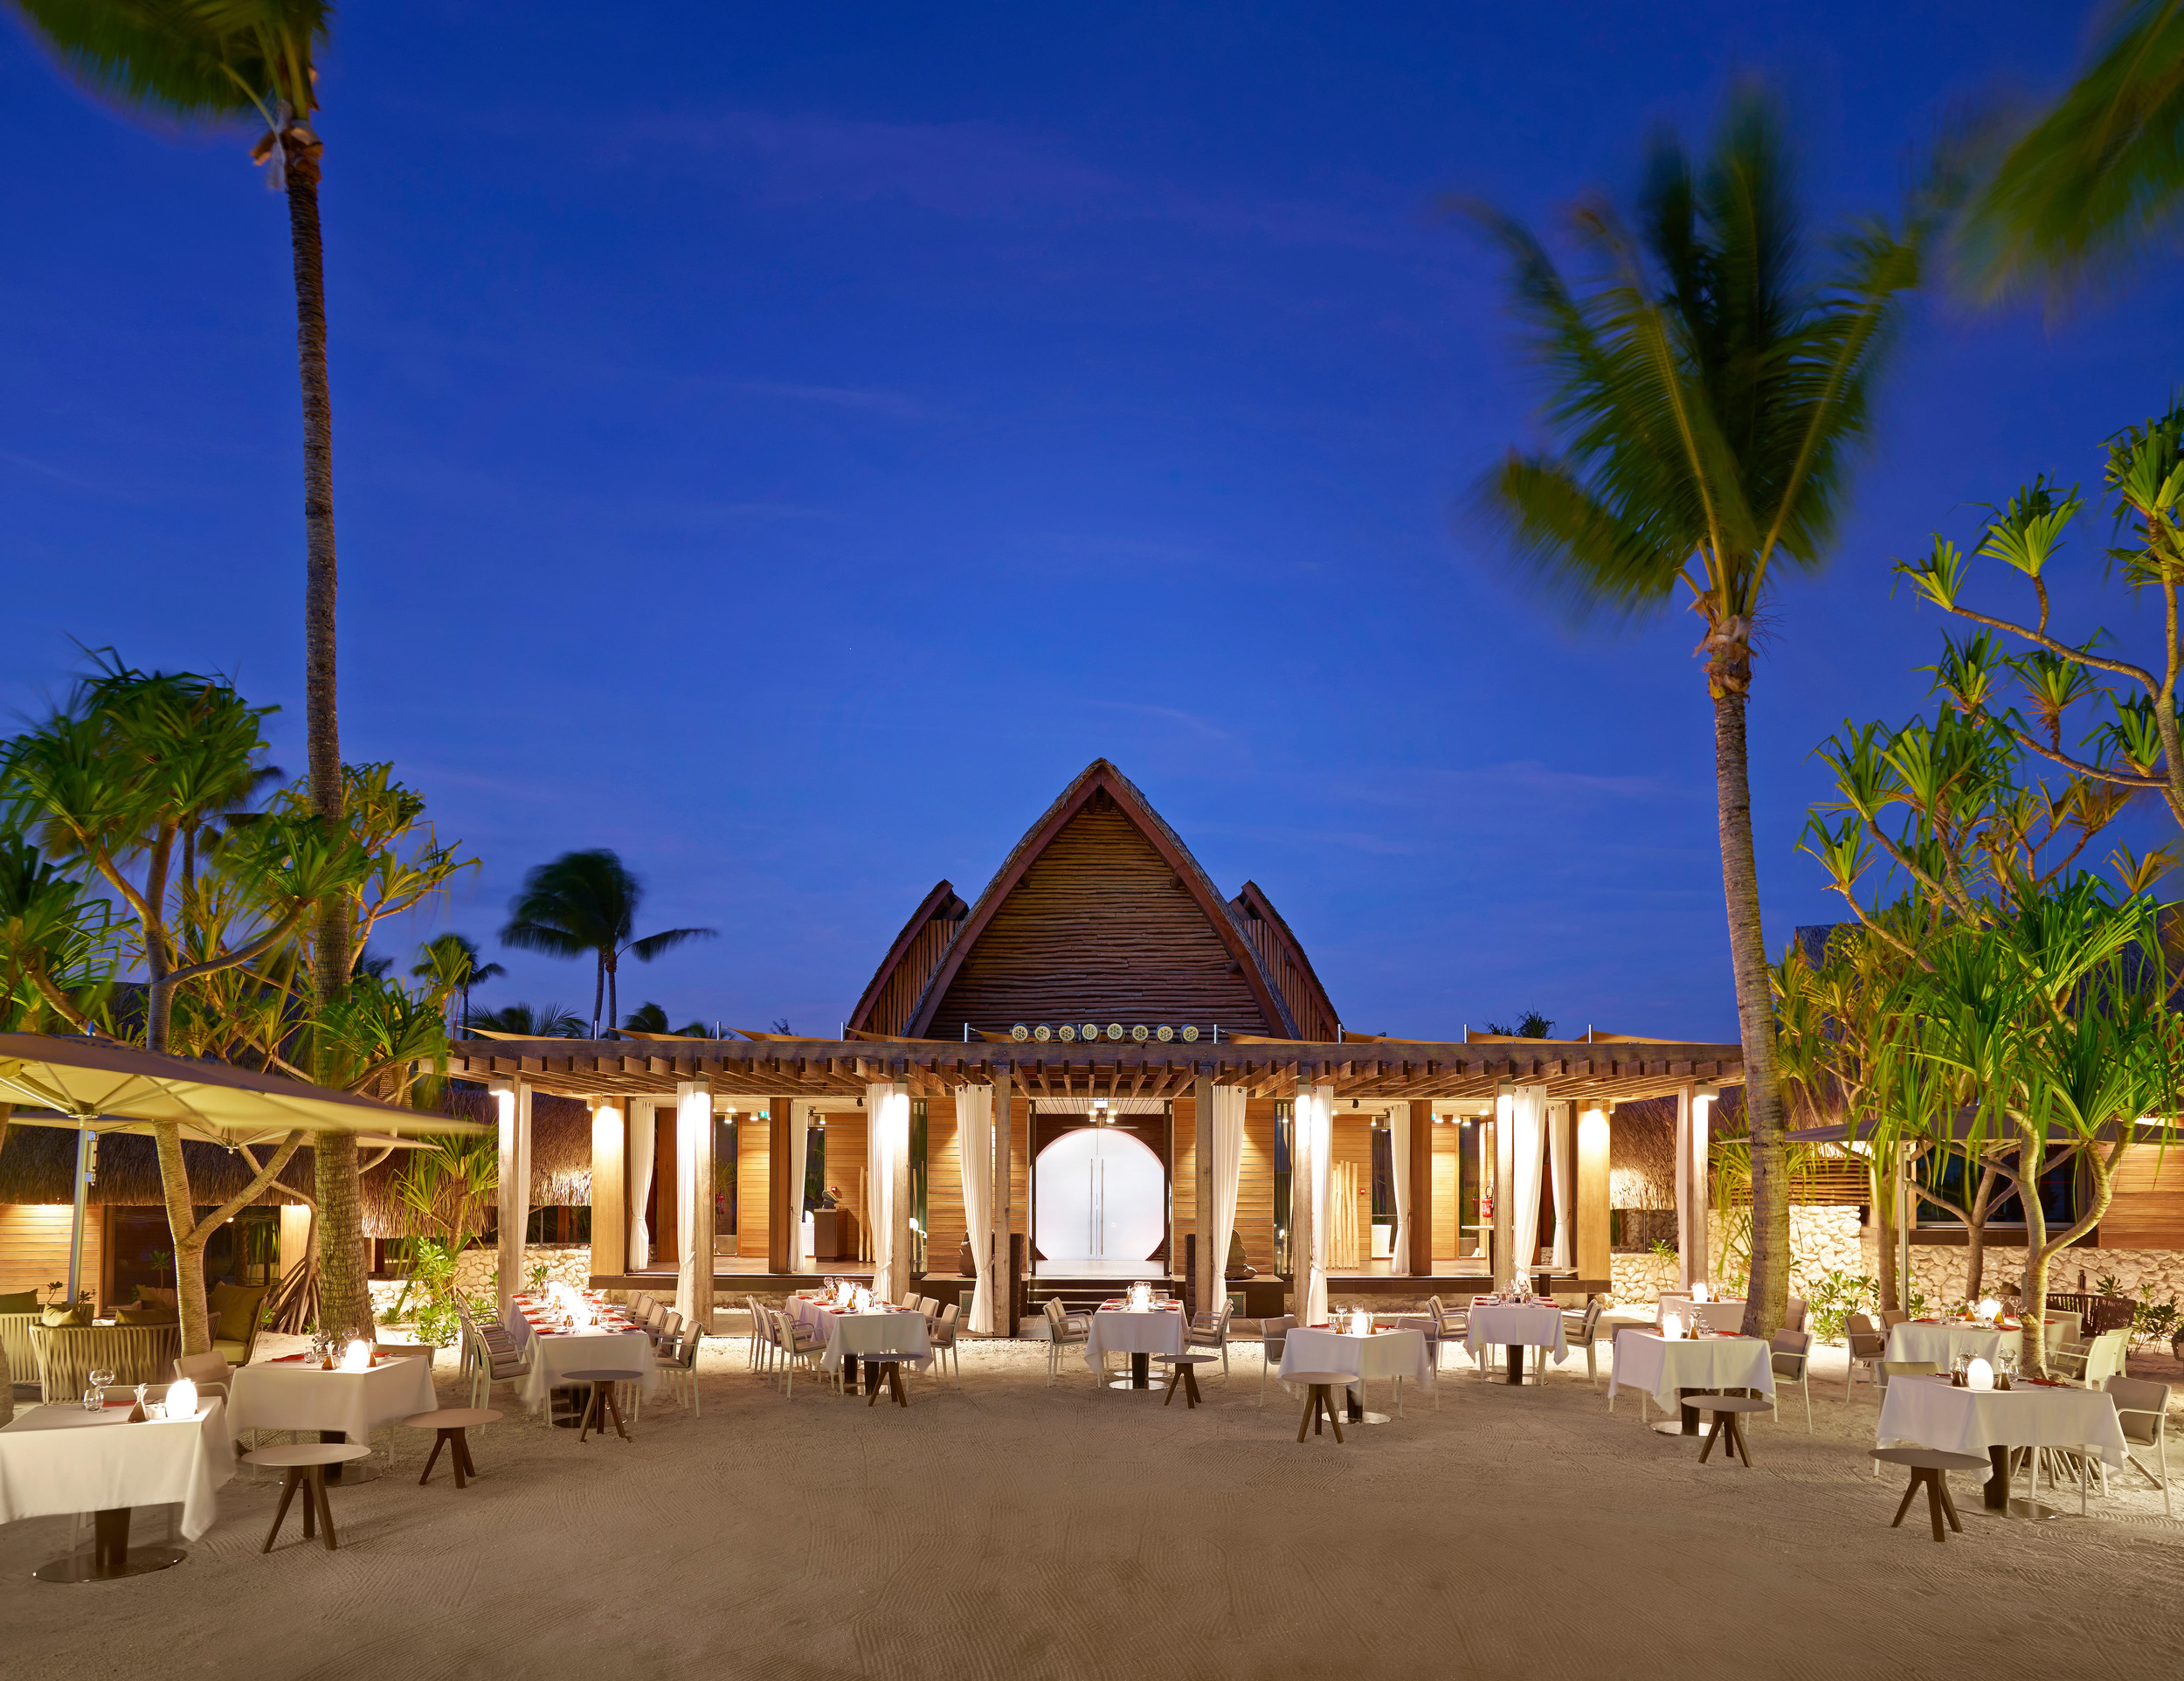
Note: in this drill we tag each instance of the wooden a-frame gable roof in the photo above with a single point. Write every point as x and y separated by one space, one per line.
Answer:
1281 955
900 980
1100 911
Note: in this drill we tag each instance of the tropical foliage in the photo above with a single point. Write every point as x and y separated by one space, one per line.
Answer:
585 904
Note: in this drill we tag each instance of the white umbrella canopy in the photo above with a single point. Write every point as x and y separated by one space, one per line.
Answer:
104 1085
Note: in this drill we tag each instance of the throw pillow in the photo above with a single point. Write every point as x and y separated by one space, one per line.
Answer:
162 1298
61 1314
146 1314
22 1301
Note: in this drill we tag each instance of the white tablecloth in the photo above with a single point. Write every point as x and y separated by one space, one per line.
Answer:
1942 1343
1932 1413
1715 1315
1117 1331
882 1332
1660 1367
296 1395
553 1353
61 1459
1383 1354
1506 1326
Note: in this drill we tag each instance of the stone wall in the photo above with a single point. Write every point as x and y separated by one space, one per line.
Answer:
478 1271
1937 1271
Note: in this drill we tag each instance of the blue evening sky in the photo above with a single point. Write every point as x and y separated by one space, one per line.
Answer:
787 448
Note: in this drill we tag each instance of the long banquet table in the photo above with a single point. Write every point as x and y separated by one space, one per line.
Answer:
59 1460
1931 1412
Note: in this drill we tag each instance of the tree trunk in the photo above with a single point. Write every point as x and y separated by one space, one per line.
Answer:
1884 1230
598 990
182 1220
344 1266
1767 1293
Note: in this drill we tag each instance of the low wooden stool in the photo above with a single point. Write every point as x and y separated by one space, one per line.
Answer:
890 1367
451 1423
302 1465
1727 1423
601 1408
1183 1368
1319 1400
1928 1465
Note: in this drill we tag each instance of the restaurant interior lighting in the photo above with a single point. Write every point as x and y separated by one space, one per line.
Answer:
1979 1374
357 1356
181 1398
1672 1325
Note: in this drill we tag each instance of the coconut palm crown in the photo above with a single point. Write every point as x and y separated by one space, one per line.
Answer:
585 903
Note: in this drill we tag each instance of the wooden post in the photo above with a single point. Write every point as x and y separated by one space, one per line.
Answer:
1421 1256
1504 1183
1212 1268
1690 1193
610 1195
1592 1251
781 1198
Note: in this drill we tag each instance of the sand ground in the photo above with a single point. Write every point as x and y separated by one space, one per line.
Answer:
1003 1528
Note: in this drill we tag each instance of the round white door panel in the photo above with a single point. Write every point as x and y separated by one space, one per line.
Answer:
1101 1197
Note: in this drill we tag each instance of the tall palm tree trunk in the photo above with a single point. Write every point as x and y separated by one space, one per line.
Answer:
1767 1295
345 1287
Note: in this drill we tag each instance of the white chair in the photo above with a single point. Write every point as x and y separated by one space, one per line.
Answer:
1063 1331
1273 1336
1585 1331
943 1340
761 1336
1792 1361
2091 1364
488 1365
680 1368
796 1346
2142 1408
1211 1331
1867 1348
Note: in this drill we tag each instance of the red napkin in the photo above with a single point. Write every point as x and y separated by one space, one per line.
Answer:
286 1360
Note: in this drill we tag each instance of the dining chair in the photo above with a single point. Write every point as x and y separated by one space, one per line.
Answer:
2091 1365
1892 1317
488 1365
1867 1348
1274 1337
1063 1331
1791 1361
1211 1331
797 1345
761 1336
1448 1327
680 1368
943 1334
2142 1408
208 1371
1793 1312
1585 1333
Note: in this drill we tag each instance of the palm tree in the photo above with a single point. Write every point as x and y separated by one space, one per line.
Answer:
1707 391
547 1022
586 902
450 962
2093 179
653 1018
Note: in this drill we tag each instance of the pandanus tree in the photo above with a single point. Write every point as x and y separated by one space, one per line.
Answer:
449 962
1708 381
585 904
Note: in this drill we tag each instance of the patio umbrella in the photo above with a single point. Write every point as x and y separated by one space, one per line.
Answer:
94 1085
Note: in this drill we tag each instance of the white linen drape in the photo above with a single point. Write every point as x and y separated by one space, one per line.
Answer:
1527 1155
1561 1148
694 1202
888 1161
799 1164
974 1148
1399 1175
640 1182
1227 1138
1311 1139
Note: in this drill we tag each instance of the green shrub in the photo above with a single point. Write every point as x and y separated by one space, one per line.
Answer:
1834 1297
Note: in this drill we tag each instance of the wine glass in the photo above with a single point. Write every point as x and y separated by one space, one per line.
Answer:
101 1376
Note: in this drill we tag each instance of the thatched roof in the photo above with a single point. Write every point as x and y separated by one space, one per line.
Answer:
38 1164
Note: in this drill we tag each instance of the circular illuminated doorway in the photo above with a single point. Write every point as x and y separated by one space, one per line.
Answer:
1102 1197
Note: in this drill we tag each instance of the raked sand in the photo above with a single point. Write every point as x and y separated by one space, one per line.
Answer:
1006 1529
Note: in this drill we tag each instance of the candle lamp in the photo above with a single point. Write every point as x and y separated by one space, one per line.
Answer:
181 1398
1977 1374
1672 1325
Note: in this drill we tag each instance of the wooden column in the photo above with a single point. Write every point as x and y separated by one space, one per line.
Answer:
610 1195
1690 1187
998 1262
1504 1183
1211 1270
1421 1256
513 1101
1592 1252
781 1198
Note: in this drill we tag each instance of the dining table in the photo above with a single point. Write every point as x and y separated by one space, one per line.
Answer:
856 1336
1715 1314
297 1394
1943 1341
1391 1352
61 1460
1931 1412
1513 1327
610 1343
1670 1370
1138 1332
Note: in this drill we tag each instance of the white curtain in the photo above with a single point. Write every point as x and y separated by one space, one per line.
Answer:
974 1148
513 1107
1527 1156
800 1160
640 1182
1311 1147
1227 1135
1561 1147
694 1272
888 1161
1399 1173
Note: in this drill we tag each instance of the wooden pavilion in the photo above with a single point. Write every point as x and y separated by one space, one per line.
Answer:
1099 1069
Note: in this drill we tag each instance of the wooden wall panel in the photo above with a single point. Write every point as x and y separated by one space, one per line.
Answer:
1447 1138
1254 1185
34 1247
846 1161
943 1189
754 1183
1099 929
1183 1176
1353 1150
